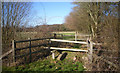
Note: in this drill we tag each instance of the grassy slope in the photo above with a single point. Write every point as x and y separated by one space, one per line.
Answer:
50 65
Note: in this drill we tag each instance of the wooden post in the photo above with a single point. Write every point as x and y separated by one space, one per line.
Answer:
55 35
91 50
14 51
25 59
30 56
75 36
88 48
49 43
62 36
53 55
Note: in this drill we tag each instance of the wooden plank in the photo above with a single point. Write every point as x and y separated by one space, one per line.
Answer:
59 40
7 53
68 49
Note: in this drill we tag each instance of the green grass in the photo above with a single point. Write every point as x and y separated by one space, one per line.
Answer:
49 65
68 33
68 37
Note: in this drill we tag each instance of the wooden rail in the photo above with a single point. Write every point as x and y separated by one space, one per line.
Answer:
68 49
7 53
59 40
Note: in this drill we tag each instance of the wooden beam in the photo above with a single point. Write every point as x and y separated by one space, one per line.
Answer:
59 40
4 55
68 49
80 42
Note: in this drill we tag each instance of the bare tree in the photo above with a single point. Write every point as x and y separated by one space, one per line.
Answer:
13 16
99 19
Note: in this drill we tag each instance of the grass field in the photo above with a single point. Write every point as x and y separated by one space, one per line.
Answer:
67 37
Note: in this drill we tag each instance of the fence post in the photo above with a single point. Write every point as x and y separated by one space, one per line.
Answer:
14 51
53 55
90 52
30 56
55 35
49 43
75 36
62 36
88 48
